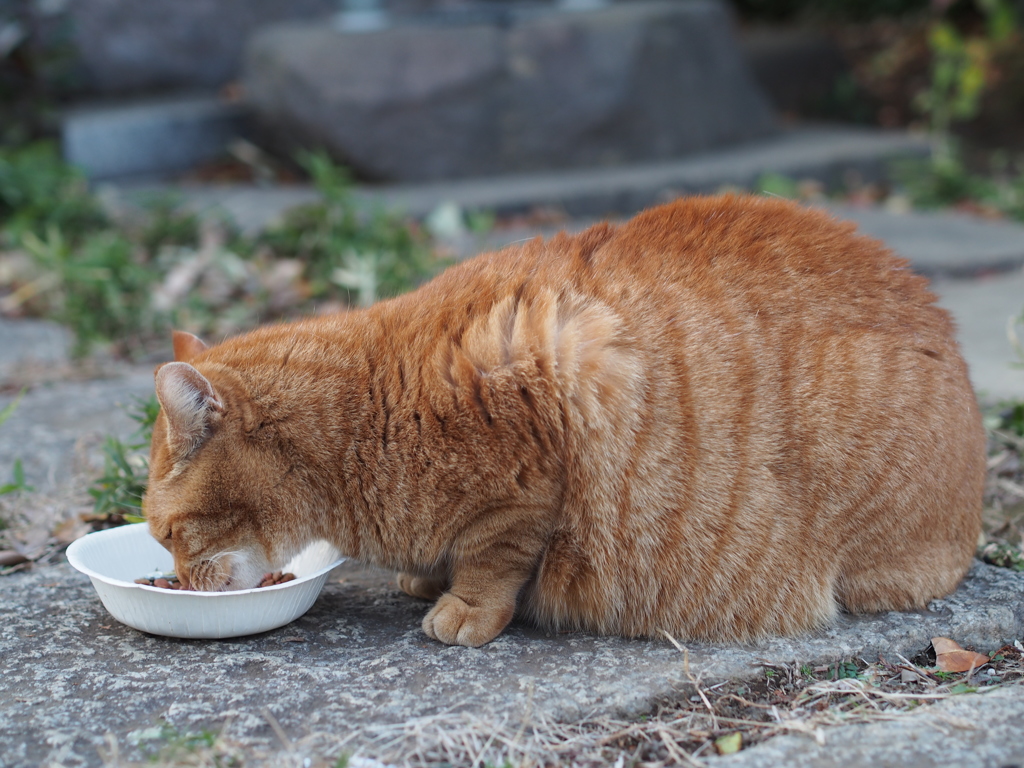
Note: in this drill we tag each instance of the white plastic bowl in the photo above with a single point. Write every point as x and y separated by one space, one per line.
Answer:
114 558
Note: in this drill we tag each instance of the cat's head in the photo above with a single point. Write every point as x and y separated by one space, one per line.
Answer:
220 495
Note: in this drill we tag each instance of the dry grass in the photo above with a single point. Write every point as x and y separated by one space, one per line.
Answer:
1003 517
704 721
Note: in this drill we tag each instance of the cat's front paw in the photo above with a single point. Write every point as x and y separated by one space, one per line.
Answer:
422 587
454 622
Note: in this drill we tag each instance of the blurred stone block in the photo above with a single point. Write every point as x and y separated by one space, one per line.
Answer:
130 46
152 138
799 68
531 89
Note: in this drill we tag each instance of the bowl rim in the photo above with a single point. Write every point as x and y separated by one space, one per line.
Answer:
74 558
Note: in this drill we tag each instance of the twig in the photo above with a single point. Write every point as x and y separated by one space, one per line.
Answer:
276 726
693 681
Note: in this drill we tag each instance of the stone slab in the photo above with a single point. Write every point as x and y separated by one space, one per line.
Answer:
983 309
58 427
830 154
943 244
149 138
969 731
38 344
534 87
825 153
69 673
125 46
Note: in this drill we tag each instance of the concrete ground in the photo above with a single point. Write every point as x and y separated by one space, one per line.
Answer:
78 688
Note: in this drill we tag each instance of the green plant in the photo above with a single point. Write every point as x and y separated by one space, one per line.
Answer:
127 281
39 192
166 745
777 185
845 670
1002 555
119 490
962 69
100 289
167 222
17 483
1012 419
371 253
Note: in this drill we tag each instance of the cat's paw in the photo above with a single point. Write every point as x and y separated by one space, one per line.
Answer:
423 587
454 622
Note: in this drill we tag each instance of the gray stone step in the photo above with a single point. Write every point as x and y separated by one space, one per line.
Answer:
943 244
151 138
830 154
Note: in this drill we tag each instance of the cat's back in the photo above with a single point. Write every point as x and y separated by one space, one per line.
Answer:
781 409
732 254
767 258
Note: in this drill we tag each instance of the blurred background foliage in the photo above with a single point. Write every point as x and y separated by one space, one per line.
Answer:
954 68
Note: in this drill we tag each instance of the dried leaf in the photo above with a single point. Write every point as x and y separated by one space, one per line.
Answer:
9 557
70 530
909 676
944 645
950 657
729 744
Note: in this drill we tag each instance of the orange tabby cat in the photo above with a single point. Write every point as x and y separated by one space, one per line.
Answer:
725 418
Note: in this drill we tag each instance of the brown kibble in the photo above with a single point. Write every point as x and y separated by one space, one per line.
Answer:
268 580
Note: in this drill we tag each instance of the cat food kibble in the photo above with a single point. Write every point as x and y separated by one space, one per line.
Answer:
270 579
170 581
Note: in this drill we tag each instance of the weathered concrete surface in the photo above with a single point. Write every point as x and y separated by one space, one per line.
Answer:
58 427
980 731
31 344
69 673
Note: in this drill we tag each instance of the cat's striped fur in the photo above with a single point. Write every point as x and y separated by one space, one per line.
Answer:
725 418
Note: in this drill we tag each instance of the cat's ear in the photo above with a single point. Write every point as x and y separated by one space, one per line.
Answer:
189 402
186 346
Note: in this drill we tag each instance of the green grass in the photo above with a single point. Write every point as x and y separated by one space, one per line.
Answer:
350 252
125 283
121 487
17 483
